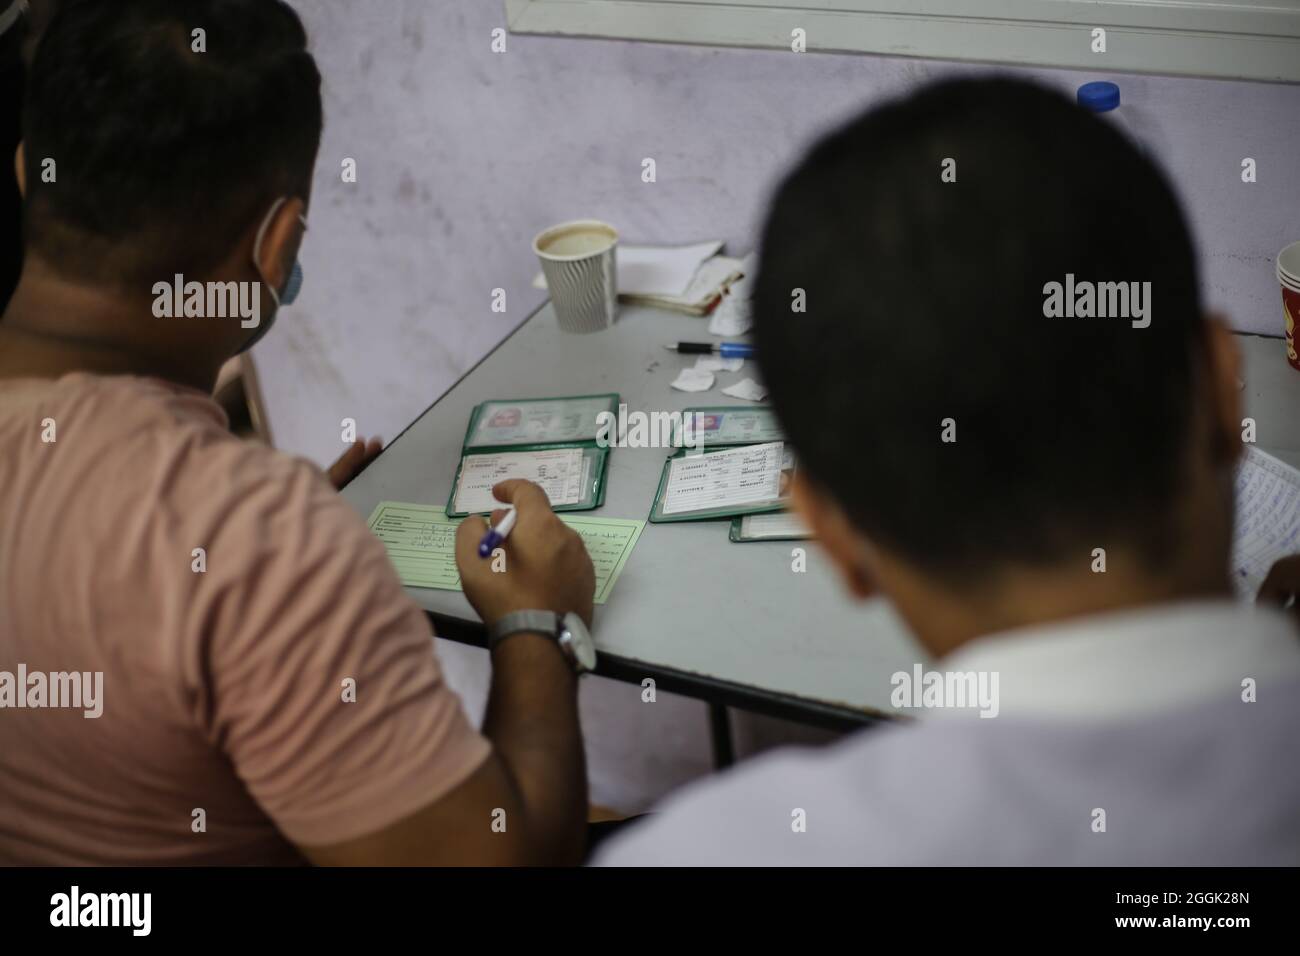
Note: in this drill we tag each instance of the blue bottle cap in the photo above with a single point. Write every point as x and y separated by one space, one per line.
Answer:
1100 97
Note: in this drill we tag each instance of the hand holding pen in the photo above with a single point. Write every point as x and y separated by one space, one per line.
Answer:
496 536
546 568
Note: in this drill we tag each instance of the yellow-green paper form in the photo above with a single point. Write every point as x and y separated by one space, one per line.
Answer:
421 543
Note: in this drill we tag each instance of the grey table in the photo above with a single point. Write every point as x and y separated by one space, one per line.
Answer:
732 624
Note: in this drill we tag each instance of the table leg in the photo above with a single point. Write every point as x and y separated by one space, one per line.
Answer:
720 729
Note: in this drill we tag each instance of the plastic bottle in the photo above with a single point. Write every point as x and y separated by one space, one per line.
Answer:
1102 97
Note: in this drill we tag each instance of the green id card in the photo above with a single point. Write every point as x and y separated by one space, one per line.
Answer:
712 426
775 526
723 482
538 422
549 441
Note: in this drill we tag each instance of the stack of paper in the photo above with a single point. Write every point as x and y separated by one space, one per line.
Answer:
733 316
687 279
706 283
1268 518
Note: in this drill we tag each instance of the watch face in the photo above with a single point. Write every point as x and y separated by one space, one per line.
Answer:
575 636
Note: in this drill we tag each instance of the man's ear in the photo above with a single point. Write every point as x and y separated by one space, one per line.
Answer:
1224 393
835 533
20 169
281 242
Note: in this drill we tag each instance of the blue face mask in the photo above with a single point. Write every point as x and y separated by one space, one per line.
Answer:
292 287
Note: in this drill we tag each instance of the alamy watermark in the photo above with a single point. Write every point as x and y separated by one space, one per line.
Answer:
957 690
179 299
649 429
133 911
82 690
1098 300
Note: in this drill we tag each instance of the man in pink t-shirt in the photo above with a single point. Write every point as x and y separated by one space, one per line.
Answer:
205 657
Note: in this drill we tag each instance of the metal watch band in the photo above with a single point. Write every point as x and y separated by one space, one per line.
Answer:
536 622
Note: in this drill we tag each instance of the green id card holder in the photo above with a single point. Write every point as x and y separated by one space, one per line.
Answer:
693 482
552 441
716 426
771 526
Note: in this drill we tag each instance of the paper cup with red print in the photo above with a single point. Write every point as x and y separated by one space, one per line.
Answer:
1288 274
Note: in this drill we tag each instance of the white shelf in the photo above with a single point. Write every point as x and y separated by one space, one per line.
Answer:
1239 39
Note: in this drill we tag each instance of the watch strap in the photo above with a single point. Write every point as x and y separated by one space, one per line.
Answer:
535 622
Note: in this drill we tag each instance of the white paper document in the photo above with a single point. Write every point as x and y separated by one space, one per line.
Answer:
657 270
693 380
782 524
716 363
709 278
739 476
733 316
660 270
1268 518
560 472
748 389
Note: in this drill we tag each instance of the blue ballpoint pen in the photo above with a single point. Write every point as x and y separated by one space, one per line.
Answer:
724 349
495 536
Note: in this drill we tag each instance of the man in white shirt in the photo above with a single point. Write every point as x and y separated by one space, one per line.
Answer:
1043 493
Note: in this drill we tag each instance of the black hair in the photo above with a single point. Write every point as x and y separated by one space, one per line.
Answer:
11 85
925 301
164 156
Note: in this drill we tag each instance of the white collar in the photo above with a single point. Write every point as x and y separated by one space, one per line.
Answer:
1126 663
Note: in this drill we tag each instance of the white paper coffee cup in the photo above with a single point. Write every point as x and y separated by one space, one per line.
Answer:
1288 276
578 260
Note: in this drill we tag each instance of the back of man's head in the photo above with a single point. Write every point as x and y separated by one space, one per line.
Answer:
926 387
158 132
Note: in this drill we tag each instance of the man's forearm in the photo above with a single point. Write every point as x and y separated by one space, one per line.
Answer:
532 721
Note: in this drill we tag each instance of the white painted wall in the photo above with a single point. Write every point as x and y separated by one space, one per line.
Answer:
463 155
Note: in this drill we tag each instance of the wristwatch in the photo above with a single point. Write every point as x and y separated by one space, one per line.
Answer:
567 630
